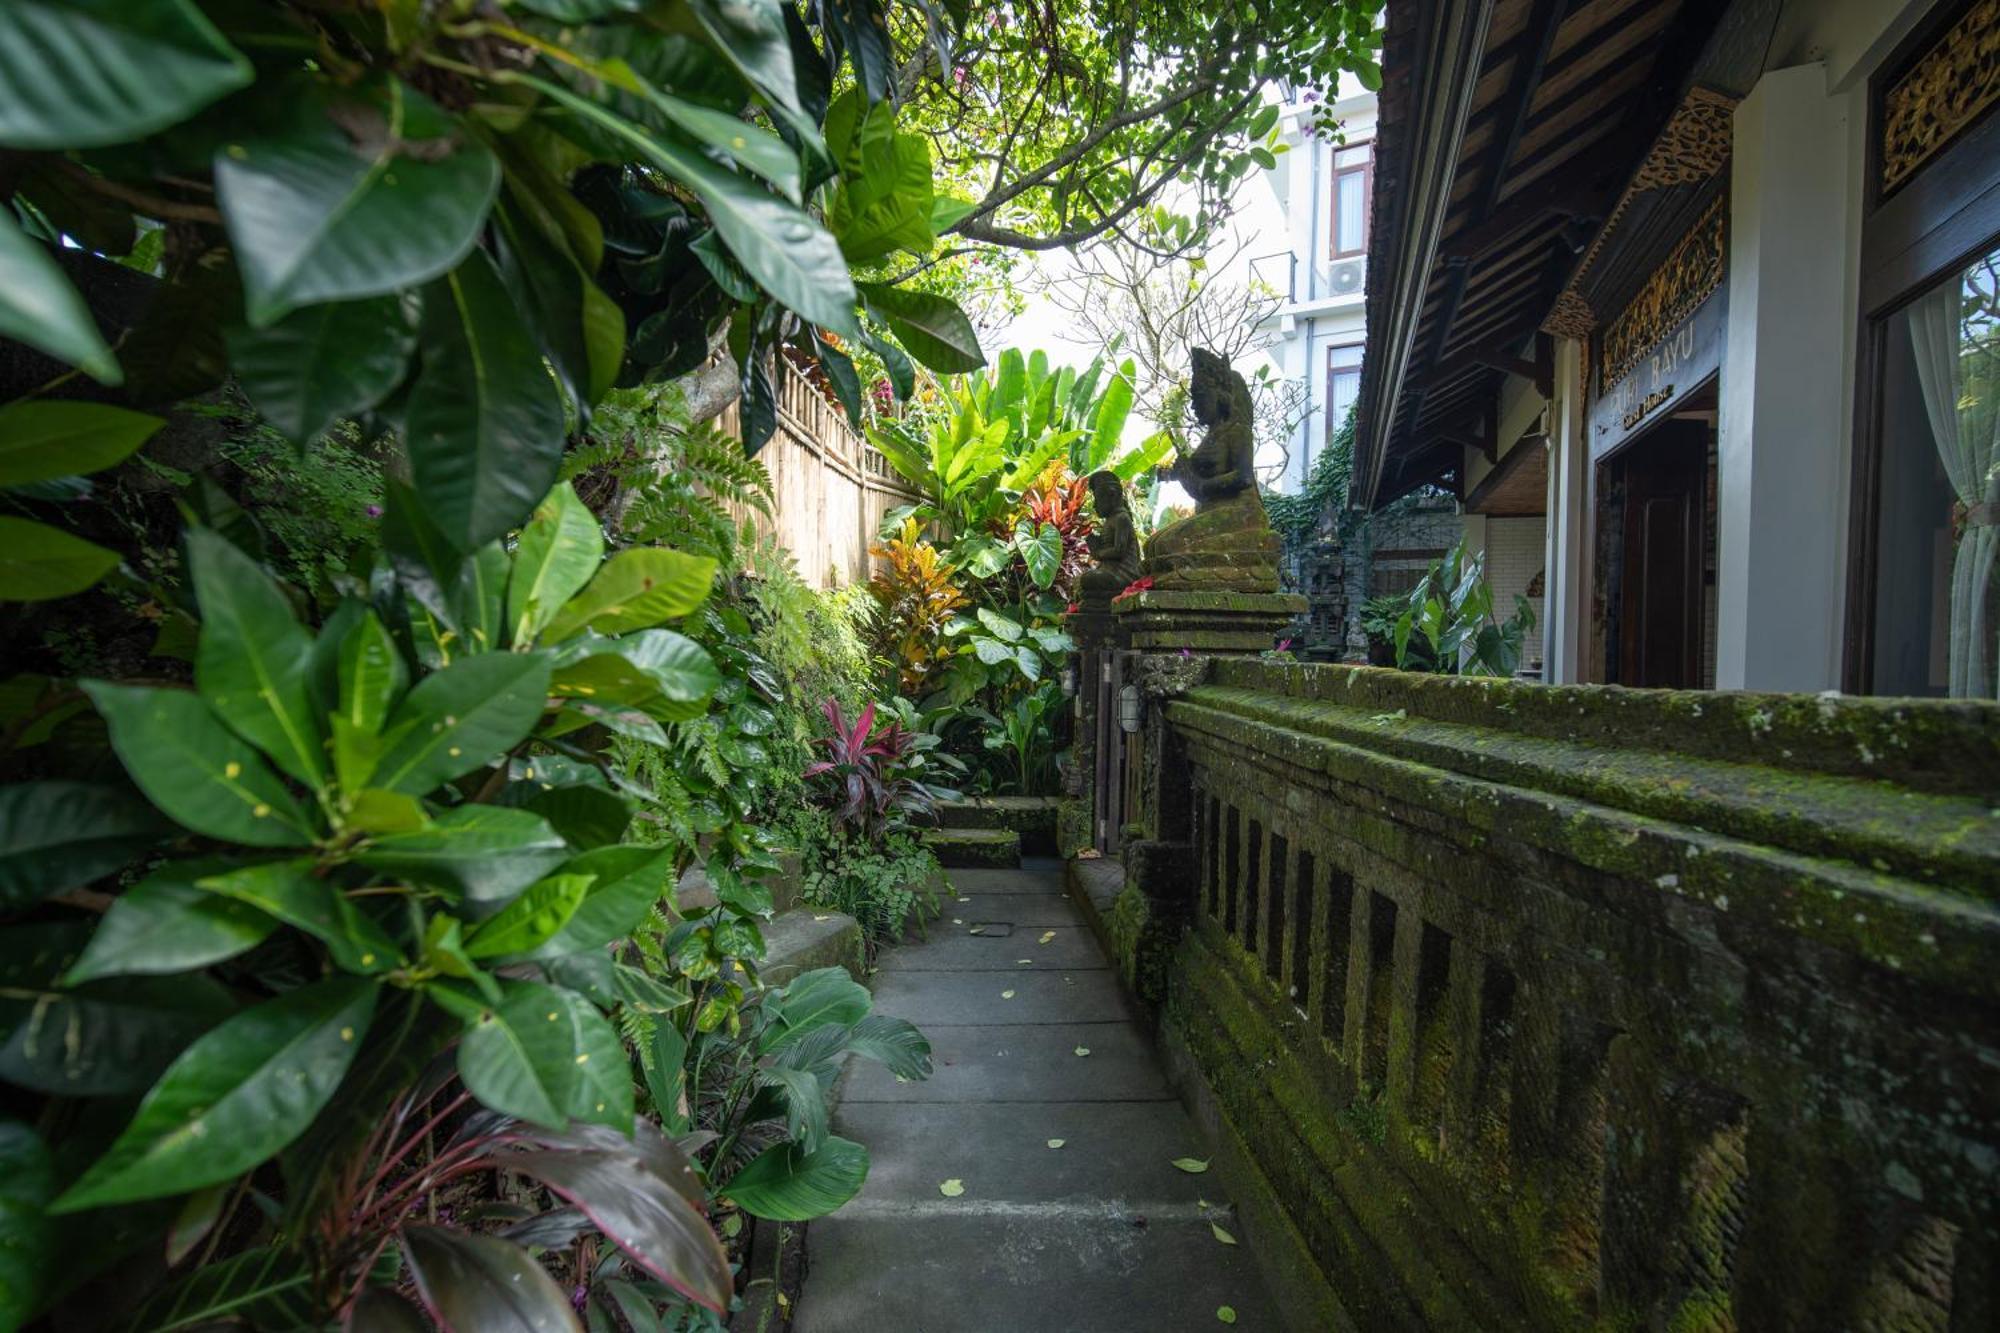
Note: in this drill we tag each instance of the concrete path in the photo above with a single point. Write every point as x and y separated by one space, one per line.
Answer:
1101 1235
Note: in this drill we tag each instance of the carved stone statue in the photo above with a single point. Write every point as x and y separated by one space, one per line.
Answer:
1227 544
1114 546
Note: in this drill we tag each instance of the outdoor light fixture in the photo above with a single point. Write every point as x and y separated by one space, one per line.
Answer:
1069 679
1131 709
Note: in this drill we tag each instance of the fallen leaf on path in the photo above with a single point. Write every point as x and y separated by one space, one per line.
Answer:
1047 935
1057 1143
1222 1235
1006 995
1025 962
965 900
958 921
1194 1166
1225 1314
952 1188
1083 1050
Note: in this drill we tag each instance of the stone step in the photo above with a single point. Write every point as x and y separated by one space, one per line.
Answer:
1033 817
804 938
985 848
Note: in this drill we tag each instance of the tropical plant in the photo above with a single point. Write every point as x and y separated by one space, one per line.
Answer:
916 599
1023 735
879 776
1452 609
397 213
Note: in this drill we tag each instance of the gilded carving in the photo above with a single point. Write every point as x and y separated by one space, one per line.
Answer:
1943 92
1694 145
1693 269
1571 317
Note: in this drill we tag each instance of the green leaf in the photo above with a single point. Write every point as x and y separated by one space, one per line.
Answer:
635 589
484 420
587 817
520 1057
291 892
1008 631
265 1287
83 73
935 330
1113 409
341 195
484 853
57 835
1261 123
896 1043
649 667
815 999
235 1097
473 1282
461 718
531 920
787 1185
165 923
39 307
39 563
195 770
883 202
27 1246
253 661
1194 1166
790 255
41 440
756 150
625 883
324 362
104 1038
1041 548
372 677
559 550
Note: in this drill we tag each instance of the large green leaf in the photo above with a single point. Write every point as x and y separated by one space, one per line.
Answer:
532 919
253 661
484 419
380 1310
40 440
233 1098
81 73
1041 548
559 550
105 1038
883 202
637 1210
790 255
896 1042
27 1181
815 999
935 331
195 770
481 1284
786 1184
350 194
626 881
484 853
56 835
292 893
265 1287
636 589
39 563
750 35
324 362
40 308
371 677
648 667
480 601
165 923
461 718
527 1055
1108 429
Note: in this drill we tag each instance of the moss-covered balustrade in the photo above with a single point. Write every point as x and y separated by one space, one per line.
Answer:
1553 1008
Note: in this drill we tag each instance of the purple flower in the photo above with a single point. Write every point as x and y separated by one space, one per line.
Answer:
579 1296
1186 653
1284 645
374 511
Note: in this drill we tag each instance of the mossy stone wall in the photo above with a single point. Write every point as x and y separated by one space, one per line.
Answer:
1553 1008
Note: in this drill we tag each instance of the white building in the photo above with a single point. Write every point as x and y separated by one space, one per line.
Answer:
1318 264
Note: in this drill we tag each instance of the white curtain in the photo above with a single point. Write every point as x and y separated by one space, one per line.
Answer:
1958 368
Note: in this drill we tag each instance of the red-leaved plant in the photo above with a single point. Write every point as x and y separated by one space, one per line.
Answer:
874 772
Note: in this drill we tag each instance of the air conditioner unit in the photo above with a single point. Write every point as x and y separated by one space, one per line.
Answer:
1345 277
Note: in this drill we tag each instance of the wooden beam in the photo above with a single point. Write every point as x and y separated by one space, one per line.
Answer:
1495 356
1543 20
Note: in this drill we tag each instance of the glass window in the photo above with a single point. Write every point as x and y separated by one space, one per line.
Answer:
1937 603
1350 212
1343 383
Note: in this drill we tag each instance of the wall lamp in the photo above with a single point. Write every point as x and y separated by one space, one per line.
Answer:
1131 708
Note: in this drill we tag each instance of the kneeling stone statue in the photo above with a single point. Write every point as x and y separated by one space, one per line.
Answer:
1114 546
1227 544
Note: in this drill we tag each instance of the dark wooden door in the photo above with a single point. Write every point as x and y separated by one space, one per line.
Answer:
1666 477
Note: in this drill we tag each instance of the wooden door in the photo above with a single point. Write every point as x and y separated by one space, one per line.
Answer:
1660 621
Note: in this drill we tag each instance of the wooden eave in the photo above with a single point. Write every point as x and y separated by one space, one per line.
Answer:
1497 169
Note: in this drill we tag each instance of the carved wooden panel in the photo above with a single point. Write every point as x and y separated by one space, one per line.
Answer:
1692 270
1942 93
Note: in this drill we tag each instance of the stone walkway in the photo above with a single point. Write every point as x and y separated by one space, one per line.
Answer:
1101 1235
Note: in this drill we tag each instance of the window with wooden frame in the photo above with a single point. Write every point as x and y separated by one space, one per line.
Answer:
1343 383
1353 181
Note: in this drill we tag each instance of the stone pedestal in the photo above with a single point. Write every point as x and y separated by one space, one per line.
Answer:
1227 545
1206 622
